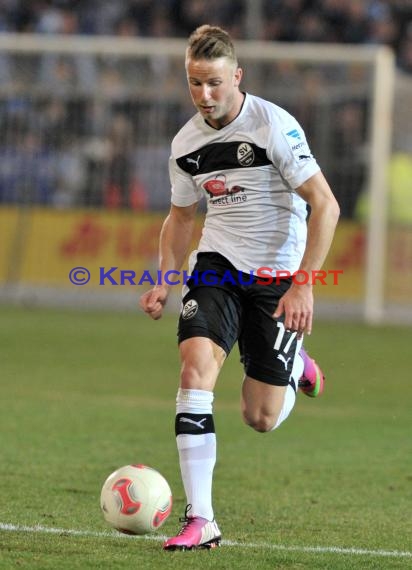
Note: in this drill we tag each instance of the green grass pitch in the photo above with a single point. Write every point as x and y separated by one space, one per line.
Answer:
83 393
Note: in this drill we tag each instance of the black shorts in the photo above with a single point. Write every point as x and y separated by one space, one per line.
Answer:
232 311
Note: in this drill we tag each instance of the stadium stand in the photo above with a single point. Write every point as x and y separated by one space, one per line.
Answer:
357 22
63 119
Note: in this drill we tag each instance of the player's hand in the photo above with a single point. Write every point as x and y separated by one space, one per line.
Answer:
153 301
297 306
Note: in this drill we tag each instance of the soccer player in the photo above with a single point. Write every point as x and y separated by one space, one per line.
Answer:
251 161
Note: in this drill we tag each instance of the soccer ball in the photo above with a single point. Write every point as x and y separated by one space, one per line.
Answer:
136 499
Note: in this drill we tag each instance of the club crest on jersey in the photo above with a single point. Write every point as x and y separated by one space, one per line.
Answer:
245 154
190 309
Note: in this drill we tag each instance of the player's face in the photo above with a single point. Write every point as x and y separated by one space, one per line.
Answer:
214 87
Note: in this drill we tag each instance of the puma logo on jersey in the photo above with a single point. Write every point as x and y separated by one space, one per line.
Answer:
284 360
199 424
193 161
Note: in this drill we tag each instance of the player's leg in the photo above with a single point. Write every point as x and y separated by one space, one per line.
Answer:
261 404
275 362
201 362
265 406
267 401
270 355
206 337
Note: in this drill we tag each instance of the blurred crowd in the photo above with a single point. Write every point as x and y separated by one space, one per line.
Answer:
386 22
90 131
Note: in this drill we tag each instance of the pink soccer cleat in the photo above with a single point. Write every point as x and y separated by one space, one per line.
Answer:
312 380
196 532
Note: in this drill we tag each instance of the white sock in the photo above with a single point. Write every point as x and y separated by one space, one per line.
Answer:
288 403
290 395
196 444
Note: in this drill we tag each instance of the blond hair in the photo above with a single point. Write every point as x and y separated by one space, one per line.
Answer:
210 42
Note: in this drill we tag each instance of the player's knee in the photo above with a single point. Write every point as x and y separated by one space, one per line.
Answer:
194 377
260 421
190 377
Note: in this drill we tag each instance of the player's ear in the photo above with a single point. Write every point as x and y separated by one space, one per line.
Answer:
238 76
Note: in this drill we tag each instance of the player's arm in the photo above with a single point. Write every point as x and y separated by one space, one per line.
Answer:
175 239
297 303
176 236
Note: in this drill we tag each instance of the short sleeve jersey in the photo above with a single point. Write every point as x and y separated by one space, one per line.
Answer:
248 171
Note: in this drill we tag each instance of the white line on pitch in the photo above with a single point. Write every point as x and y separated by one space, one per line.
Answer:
232 543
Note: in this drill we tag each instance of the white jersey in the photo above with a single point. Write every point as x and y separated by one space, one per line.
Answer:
248 171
